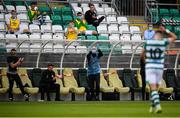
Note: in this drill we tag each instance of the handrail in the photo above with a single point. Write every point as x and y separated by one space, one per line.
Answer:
132 57
39 54
109 57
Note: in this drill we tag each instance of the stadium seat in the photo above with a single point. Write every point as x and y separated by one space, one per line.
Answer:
56 20
34 28
21 9
163 11
25 80
129 81
109 11
43 9
90 27
63 90
77 9
70 81
10 8
46 29
104 85
36 45
102 28
66 19
84 5
100 11
171 81
113 28
48 48
136 37
85 9
134 29
111 19
174 12
2 17
24 47
57 11
81 49
2 27
4 80
164 89
124 29
115 82
122 20
67 11
58 48
1 8
57 29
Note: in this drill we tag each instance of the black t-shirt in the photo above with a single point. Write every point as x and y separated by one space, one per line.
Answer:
89 17
47 77
12 59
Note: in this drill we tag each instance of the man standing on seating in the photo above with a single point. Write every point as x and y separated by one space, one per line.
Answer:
94 72
154 53
91 16
12 74
47 83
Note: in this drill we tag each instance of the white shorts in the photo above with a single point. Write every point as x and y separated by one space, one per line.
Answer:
89 32
154 76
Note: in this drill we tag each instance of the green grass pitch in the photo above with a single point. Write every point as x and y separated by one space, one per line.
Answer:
87 109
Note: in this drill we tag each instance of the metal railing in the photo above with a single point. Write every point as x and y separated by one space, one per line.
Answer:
69 43
130 7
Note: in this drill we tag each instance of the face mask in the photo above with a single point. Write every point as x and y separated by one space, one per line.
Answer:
150 28
79 17
14 16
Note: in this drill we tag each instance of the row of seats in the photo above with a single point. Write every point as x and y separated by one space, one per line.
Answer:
127 84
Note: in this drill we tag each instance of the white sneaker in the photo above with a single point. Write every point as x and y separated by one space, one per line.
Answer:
158 109
152 109
40 100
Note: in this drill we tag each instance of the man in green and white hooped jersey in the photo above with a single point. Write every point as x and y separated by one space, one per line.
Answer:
154 58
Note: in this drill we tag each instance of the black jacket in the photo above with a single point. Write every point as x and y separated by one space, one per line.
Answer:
89 17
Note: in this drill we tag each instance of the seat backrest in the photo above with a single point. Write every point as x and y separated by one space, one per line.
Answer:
114 80
36 77
69 79
5 81
127 78
170 78
139 78
103 82
163 84
58 81
24 76
82 77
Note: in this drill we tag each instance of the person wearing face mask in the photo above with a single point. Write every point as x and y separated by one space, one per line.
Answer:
149 33
12 74
94 70
91 16
82 25
13 23
14 26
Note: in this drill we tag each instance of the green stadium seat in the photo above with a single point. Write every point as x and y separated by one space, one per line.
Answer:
105 49
169 27
57 11
163 12
67 11
56 20
44 9
90 27
91 37
174 11
103 38
177 29
176 20
66 19
2 48
166 20
82 37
